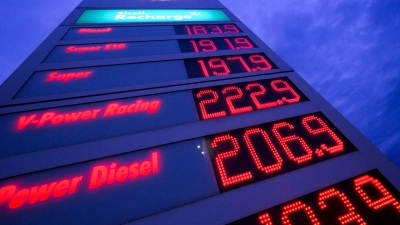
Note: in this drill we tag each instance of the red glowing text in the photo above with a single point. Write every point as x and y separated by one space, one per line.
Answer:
15 197
351 217
211 45
252 154
102 175
112 109
95 48
225 65
65 77
245 97
341 203
94 30
211 29
219 67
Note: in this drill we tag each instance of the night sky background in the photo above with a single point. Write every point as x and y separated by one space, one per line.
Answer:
348 50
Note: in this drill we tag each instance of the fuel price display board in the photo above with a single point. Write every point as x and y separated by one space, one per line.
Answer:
144 31
365 199
173 112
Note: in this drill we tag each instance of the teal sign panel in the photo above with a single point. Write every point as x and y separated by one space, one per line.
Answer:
144 15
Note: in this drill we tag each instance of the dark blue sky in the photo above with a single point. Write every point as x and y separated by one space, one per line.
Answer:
349 51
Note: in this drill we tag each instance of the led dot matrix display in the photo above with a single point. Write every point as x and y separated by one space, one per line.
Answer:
364 199
220 101
244 156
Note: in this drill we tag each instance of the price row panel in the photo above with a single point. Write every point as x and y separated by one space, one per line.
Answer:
144 113
85 33
70 81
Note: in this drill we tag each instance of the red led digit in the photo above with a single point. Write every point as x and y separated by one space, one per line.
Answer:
242 61
227 181
256 159
238 96
231 29
289 209
207 43
199 30
215 29
229 43
244 43
203 67
188 29
324 128
387 198
264 219
196 49
285 140
287 87
255 94
209 101
351 216
259 59
217 64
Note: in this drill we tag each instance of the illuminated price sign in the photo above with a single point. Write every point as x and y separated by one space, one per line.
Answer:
365 199
220 101
146 31
244 156
225 65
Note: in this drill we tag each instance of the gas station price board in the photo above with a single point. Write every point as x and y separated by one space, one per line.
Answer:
368 198
128 114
